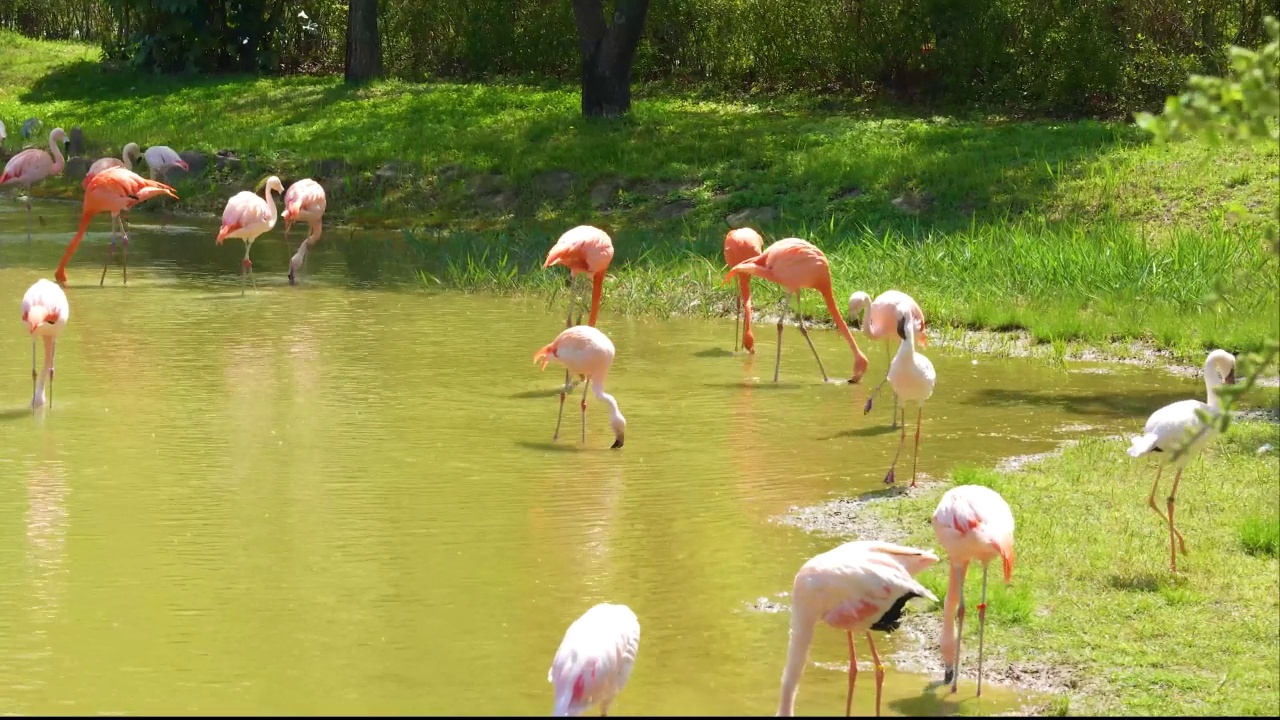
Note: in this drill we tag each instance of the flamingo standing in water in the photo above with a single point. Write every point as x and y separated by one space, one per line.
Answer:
740 245
46 311
33 165
127 157
585 351
795 264
113 190
912 377
1176 429
857 587
878 321
974 524
305 202
585 250
246 217
595 659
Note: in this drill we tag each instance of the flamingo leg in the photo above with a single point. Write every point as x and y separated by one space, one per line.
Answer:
124 249
853 677
875 656
33 371
902 440
737 320
564 390
1173 532
111 252
915 453
28 213
982 624
1151 502
777 361
805 332
953 672
585 385
248 265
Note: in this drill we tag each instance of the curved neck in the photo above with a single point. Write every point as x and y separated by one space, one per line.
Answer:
1211 384
616 421
128 161
836 316
271 204
908 346
797 653
58 160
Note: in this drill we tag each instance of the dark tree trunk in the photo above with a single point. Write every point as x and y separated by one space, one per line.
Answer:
608 50
364 45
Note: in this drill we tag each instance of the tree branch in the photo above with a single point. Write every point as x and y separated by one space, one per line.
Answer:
589 16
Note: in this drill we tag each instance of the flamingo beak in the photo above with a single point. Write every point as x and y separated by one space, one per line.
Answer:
35 318
1231 377
617 443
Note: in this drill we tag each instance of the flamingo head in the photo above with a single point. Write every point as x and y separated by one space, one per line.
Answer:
133 152
858 302
1224 364
39 315
60 136
619 425
859 366
906 324
273 185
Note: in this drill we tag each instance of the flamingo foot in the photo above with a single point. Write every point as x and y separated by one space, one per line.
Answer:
889 478
247 264
292 279
866 408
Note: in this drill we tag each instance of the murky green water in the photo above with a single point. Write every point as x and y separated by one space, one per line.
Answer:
342 497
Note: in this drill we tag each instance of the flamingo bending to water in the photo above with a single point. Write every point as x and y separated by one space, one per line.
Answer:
912 377
128 155
740 245
585 351
795 264
305 202
974 524
1176 429
33 165
857 587
161 159
113 190
246 217
585 250
46 311
594 659
879 318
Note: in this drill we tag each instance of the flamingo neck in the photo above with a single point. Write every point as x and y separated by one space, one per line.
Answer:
597 290
1211 385
616 420
797 653
58 160
271 205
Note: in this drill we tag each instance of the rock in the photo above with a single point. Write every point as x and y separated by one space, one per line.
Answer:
848 193
659 189
504 200
605 191
449 173
556 183
196 164
29 127
76 136
227 160
76 168
393 171
673 210
751 216
332 168
486 184
911 202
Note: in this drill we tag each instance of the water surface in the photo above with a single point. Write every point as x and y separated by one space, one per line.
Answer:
342 497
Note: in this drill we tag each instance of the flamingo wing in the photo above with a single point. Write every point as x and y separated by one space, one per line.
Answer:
595 658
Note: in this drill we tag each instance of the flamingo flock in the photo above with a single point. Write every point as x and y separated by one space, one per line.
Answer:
859 587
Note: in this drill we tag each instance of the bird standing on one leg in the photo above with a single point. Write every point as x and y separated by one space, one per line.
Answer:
1177 431
247 216
796 264
857 587
305 202
740 245
46 311
974 524
912 377
594 659
585 351
878 321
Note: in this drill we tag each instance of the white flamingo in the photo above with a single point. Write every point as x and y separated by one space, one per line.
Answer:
1176 429
912 377
45 310
595 659
877 323
161 159
247 216
857 587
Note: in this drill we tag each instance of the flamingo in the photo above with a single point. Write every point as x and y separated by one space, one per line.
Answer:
113 190
305 202
878 319
46 311
161 159
1177 429
912 377
33 165
127 157
584 250
586 351
594 659
247 216
859 586
3 135
739 245
795 264
974 524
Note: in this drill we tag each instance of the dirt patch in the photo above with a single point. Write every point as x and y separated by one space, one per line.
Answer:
847 518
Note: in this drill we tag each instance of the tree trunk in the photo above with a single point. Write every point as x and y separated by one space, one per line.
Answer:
607 53
364 46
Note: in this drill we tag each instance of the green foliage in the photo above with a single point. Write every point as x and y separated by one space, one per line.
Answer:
1260 535
197 35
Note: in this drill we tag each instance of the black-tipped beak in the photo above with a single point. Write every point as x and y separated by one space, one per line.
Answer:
949 675
616 443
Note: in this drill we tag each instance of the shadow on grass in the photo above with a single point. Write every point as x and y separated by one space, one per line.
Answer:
1084 403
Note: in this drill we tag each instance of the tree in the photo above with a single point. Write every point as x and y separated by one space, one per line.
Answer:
364 44
608 51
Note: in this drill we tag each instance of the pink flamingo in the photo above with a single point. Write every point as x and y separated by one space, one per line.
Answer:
113 190
46 311
585 351
33 165
161 159
878 321
246 217
974 524
859 586
795 264
305 202
741 245
585 250
127 157
595 659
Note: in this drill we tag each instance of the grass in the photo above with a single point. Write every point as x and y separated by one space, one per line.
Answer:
1092 590
1072 231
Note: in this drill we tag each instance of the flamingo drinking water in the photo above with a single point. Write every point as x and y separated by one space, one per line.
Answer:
246 217
878 321
33 165
594 660
305 202
113 190
46 311
586 351
161 159
740 245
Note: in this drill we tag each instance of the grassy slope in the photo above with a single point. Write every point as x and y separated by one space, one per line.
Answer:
1008 224
1092 590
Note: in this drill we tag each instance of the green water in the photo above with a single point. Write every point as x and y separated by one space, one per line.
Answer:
342 497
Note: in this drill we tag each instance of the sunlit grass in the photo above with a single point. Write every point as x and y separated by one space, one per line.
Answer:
1092 590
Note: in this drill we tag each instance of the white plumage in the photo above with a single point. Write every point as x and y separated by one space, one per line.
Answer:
160 159
46 311
912 377
595 659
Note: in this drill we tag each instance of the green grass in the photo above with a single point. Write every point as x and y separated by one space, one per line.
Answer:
1260 535
1092 589
1073 231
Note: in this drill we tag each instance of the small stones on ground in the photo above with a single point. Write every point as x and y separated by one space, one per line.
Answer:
605 192
393 171
227 160
751 216
673 210
556 183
